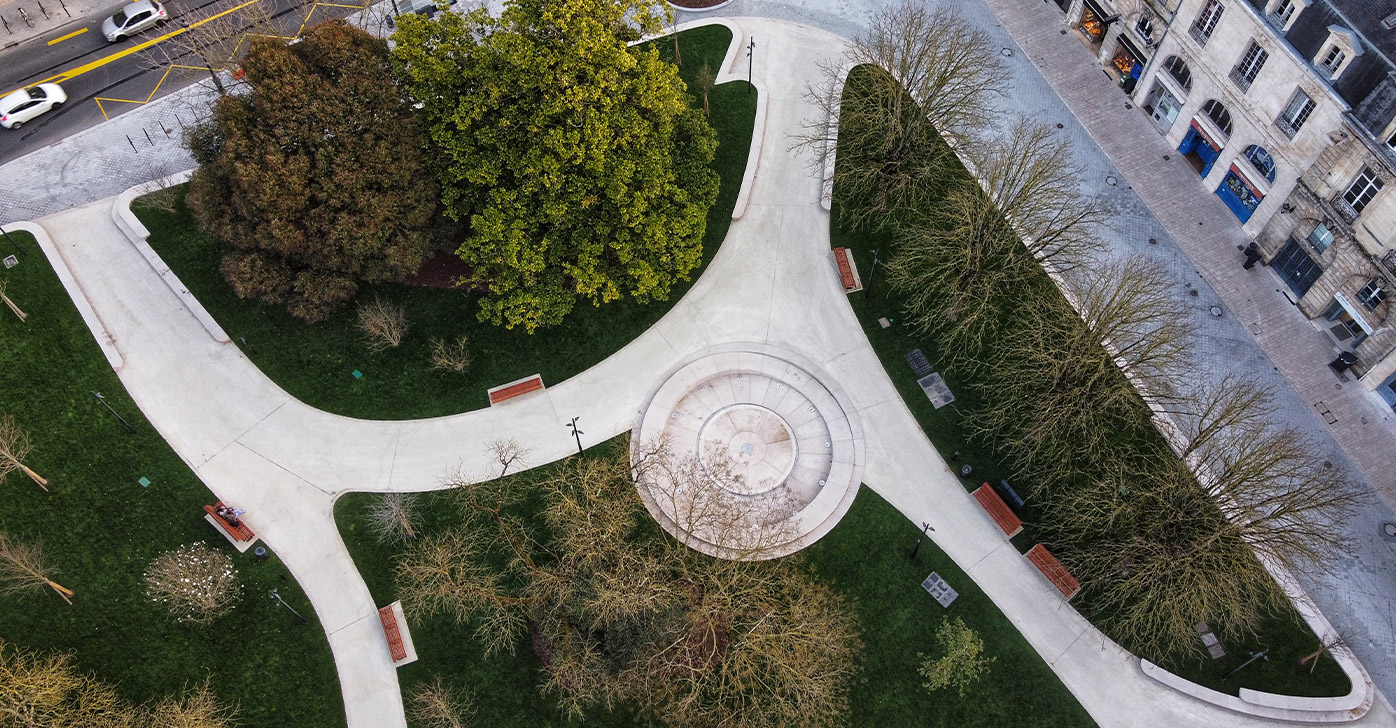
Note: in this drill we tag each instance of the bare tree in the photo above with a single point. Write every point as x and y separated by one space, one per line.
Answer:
955 267
435 705
1326 646
214 38
8 302
914 75
196 708
23 569
1209 408
391 517
197 583
383 324
1131 307
453 356
617 614
14 447
507 453
1030 175
946 63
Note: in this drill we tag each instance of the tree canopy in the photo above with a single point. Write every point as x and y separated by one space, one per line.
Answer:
316 178
579 163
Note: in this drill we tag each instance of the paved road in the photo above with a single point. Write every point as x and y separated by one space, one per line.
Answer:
104 79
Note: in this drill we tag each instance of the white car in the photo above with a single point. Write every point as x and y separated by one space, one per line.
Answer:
134 18
27 103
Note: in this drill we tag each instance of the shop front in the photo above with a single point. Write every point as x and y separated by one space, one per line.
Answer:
1239 194
1350 326
1093 24
1127 63
1200 148
1163 106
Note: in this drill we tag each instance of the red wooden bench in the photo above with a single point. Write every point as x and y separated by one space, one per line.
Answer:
1053 570
998 510
240 532
850 281
514 389
390 630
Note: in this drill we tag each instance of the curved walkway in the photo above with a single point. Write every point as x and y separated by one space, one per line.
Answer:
773 283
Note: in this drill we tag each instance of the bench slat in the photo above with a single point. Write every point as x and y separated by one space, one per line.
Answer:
390 630
532 384
998 510
1053 570
845 270
241 532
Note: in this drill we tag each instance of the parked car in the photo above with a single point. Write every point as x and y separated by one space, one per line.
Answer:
420 7
27 103
132 19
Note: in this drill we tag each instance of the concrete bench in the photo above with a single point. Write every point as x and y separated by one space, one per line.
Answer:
1010 496
515 388
998 510
847 272
1053 570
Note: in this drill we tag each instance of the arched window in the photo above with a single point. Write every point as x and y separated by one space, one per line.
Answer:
1218 114
1262 161
1179 71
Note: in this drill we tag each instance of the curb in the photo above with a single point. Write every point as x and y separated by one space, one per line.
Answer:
708 9
137 234
75 292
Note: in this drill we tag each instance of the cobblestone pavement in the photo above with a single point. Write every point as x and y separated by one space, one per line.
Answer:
1161 211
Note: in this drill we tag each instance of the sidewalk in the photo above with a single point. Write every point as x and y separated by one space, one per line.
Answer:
49 15
252 443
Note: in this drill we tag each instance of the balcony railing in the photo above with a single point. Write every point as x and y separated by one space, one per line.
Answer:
1239 78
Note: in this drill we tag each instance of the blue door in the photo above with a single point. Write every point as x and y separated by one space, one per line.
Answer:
1238 195
1198 146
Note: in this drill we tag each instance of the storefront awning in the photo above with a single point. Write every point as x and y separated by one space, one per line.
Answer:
1354 313
1105 18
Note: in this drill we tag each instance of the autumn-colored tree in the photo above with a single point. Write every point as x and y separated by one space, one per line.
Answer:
315 179
577 161
961 662
618 613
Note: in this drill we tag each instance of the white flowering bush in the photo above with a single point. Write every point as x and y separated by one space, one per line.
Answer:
196 582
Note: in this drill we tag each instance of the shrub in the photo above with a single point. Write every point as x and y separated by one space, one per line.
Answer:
453 356
962 664
196 582
383 324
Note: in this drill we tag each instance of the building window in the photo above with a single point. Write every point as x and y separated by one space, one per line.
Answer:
1249 66
1179 71
1362 190
1284 9
1332 61
1320 238
1392 143
1262 161
1145 27
1292 119
1219 115
1371 295
1206 22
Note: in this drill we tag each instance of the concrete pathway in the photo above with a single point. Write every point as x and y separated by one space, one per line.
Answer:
286 462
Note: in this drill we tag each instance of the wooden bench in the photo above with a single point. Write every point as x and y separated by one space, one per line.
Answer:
395 630
515 388
239 532
847 272
390 630
1053 570
998 510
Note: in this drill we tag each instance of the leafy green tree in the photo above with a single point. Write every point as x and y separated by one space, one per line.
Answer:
316 178
578 162
961 663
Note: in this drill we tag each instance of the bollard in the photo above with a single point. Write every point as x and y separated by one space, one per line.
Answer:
133 144
147 136
7 26
42 10
65 8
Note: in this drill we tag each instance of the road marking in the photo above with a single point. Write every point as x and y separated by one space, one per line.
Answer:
73 34
85 68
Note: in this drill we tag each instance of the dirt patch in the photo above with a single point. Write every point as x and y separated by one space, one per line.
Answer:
440 270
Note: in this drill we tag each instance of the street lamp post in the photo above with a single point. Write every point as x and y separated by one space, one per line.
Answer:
275 597
750 51
867 290
124 423
576 433
12 242
925 529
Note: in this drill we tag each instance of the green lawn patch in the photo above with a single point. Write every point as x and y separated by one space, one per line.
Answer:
100 529
1286 636
315 363
866 557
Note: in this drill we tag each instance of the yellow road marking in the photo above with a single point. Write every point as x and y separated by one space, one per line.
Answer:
66 37
75 72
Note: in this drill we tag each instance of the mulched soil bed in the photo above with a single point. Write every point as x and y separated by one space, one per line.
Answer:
695 4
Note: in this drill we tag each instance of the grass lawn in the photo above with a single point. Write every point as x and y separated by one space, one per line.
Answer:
865 557
1286 637
100 528
314 363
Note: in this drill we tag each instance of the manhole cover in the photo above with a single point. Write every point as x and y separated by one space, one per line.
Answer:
1388 530
1215 311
